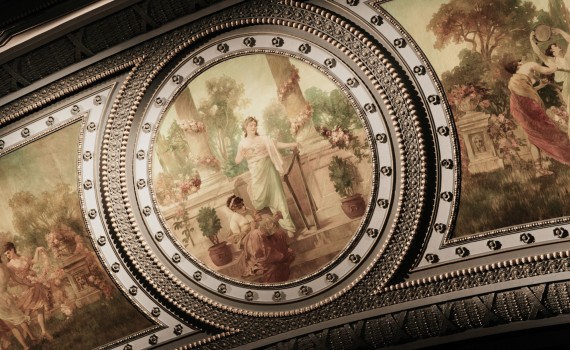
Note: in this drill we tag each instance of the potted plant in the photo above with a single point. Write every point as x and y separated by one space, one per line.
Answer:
182 221
344 175
210 225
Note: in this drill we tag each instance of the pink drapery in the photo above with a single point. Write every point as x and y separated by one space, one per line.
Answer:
528 110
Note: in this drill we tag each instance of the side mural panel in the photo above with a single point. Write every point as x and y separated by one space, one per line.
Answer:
504 68
230 155
52 285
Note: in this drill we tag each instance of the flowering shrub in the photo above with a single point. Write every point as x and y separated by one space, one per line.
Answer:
61 241
190 185
193 126
559 116
172 189
209 161
502 131
468 97
339 138
289 85
343 139
298 123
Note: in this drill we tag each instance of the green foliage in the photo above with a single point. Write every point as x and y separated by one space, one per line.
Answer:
174 152
498 32
485 25
219 112
550 96
182 222
559 16
471 70
34 216
276 123
209 223
335 118
230 168
332 109
344 175
518 196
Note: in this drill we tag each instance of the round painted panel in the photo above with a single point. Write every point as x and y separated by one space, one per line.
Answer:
262 168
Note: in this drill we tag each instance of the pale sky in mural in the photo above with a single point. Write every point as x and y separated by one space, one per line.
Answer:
414 16
38 167
253 72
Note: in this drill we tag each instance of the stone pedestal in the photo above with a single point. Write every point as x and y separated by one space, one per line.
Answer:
77 272
480 149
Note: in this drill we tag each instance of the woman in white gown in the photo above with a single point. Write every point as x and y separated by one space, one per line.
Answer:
266 167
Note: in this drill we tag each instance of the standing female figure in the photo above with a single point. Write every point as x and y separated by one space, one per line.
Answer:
527 108
34 297
266 167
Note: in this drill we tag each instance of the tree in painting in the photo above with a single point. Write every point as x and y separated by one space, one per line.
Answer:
485 25
34 216
219 112
56 279
495 33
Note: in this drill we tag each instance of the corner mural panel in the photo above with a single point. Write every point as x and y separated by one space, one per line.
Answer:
504 67
52 285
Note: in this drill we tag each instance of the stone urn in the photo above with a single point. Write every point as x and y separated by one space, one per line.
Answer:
353 206
220 254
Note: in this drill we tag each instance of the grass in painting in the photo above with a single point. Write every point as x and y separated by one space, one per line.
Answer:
90 326
506 198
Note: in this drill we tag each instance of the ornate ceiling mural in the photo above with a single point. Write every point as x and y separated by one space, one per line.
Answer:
270 174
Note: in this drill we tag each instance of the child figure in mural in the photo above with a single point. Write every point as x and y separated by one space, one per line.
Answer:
265 166
241 221
266 255
33 297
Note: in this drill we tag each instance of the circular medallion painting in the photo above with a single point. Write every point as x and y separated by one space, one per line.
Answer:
262 168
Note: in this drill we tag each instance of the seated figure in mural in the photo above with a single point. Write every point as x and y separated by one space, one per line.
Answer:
266 254
34 295
241 221
265 166
527 108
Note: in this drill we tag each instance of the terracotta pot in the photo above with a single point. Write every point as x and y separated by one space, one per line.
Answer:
353 206
221 254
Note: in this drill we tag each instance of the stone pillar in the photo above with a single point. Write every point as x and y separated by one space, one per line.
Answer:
480 149
299 111
207 164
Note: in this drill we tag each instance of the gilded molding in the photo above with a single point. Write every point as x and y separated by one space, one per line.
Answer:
63 88
385 79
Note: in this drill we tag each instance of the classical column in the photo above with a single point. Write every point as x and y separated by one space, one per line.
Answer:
195 131
299 111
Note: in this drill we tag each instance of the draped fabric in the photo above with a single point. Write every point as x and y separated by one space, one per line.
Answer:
35 295
266 189
10 314
266 257
528 110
